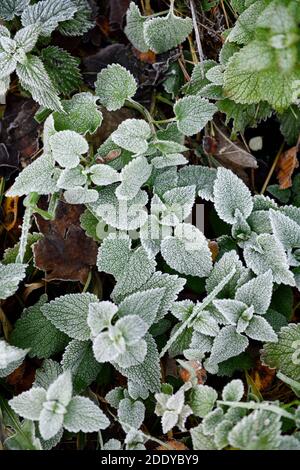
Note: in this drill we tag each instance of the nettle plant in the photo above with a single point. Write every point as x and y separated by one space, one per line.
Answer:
138 193
48 72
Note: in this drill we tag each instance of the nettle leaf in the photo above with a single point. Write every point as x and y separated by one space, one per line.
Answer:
221 269
200 440
285 354
34 331
131 412
233 391
176 206
260 330
69 314
286 230
164 33
172 159
121 214
257 292
79 359
132 135
151 234
29 404
100 316
79 195
259 431
11 8
134 28
202 177
48 14
26 38
10 277
244 28
144 304
71 177
231 195
103 175
114 86
83 415
47 373
202 399
133 176
80 115
35 79
67 148
227 344
4 85
187 251
10 358
80 23
193 113
63 70
267 253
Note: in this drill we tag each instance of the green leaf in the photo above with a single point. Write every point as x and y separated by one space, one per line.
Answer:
29 404
202 177
114 86
83 415
34 331
47 373
69 314
11 8
200 440
202 399
193 113
80 23
134 28
290 124
35 79
227 344
67 148
10 358
285 354
63 70
144 304
10 277
132 135
164 33
48 14
244 29
257 292
24 438
131 412
133 176
233 391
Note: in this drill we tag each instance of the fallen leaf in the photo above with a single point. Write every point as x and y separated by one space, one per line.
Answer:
117 13
198 369
214 249
176 445
262 376
148 57
65 253
10 212
23 377
286 166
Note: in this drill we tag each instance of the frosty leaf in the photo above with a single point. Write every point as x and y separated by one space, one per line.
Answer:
230 195
112 444
26 38
221 434
80 115
69 314
132 135
215 75
10 277
285 354
193 113
114 396
114 255
67 148
100 316
257 292
133 176
80 23
34 331
221 269
205 323
103 175
177 205
64 73
244 29
131 412
267 253
71 177
83 415
187 251
227 344
200 440
8 64
258 431
172 159
47 374
151 234
61 389
165 179
143 304
260 330
202 399
24 437
114 86
167 146
48 14
134 28
286 230
79 195
164 33
79 359
235 312
50 424
121 214
202 177
34 78
212 420
4 85
233 391
29 404
11 8
10 358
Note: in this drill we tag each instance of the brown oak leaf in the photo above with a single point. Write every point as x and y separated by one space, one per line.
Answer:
286 166
65 252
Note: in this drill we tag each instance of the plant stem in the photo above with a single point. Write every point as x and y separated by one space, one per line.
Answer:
258 406
272 169
142 110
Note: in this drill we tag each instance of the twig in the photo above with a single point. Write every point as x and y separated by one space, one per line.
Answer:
197 36
272 169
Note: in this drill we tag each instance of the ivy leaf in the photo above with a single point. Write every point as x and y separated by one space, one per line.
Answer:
193 113
231 195
34 331
257 292
48 14
131 412
67 148
202 399
10 358
10 277
35 79
227 344
114 86
132 135
134 28
69 314
187 251
80 23
133 176
11 8
164 33
233 391
285 354
83 415
79 359
63 70
267 253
